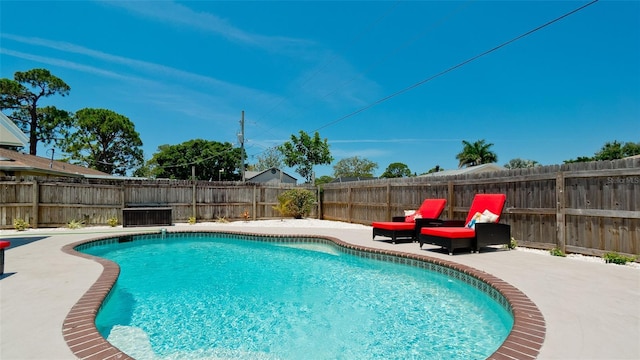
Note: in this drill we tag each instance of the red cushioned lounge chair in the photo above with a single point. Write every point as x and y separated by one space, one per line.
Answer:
3 245
456 234
407 227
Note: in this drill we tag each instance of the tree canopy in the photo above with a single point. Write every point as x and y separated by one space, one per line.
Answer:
212 160
354 167
476 153
103 140
396 170
271 158
324 179
304 152
616 150
518 163
22 95
611 151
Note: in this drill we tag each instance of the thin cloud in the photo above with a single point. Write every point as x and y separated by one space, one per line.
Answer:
65 64
391 140
115 59
158 71
174 13
360 153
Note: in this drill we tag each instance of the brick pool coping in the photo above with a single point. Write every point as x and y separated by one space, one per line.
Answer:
79 331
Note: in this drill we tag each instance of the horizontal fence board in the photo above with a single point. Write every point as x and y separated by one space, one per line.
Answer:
604 213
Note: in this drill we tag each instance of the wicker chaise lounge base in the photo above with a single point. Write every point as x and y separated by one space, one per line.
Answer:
408 227
396 230
472 233
452 238
403 230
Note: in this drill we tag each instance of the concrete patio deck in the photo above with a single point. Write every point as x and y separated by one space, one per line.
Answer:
592 310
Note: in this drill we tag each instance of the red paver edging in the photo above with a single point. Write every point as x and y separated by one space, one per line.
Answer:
79 331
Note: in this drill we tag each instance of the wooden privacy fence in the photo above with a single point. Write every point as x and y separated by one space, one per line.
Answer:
54 202
589 208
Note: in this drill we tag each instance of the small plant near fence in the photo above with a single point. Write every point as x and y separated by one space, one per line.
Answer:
75 224
615 258
513 243
20 224
192 220
296 203
246 215
113 222
557 252
222 220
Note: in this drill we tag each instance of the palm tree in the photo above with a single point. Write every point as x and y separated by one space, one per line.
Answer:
476 154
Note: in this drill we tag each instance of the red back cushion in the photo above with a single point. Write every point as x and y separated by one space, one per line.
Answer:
491 202
432 208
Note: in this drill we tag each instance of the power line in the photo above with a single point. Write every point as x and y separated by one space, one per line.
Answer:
393 52
419 83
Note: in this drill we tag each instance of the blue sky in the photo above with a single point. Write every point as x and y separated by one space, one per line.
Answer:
186 70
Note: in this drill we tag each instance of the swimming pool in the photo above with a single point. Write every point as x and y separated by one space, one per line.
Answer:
524 341
318 314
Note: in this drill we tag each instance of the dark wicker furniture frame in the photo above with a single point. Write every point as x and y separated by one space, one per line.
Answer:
411 234
453 234
485 234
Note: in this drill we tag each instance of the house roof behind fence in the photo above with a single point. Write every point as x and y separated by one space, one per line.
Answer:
15 161
253 174
468 170
10 134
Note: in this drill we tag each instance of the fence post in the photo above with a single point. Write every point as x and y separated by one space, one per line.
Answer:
349 204
34 205
123 203
450 199
193 194
319 194
388 202
561 229
254 207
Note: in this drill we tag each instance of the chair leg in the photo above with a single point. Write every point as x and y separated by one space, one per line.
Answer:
1 261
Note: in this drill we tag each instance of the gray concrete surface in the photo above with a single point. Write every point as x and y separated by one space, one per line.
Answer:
592 310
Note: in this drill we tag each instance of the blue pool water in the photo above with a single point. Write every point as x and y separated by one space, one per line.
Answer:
211 297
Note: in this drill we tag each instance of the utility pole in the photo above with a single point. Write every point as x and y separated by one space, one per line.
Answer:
241 140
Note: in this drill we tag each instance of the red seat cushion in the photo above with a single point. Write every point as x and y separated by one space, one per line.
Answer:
449 232
389 225
4 244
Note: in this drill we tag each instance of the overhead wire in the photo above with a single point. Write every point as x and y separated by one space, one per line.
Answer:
448 70
435 25
430 78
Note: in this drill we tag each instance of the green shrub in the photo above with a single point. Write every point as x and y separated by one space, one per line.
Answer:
615 258
75 224
192 220
557 252
296 203
113 222
222 220
513 243
20 224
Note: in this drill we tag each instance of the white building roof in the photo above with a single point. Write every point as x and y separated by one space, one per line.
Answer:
10 134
